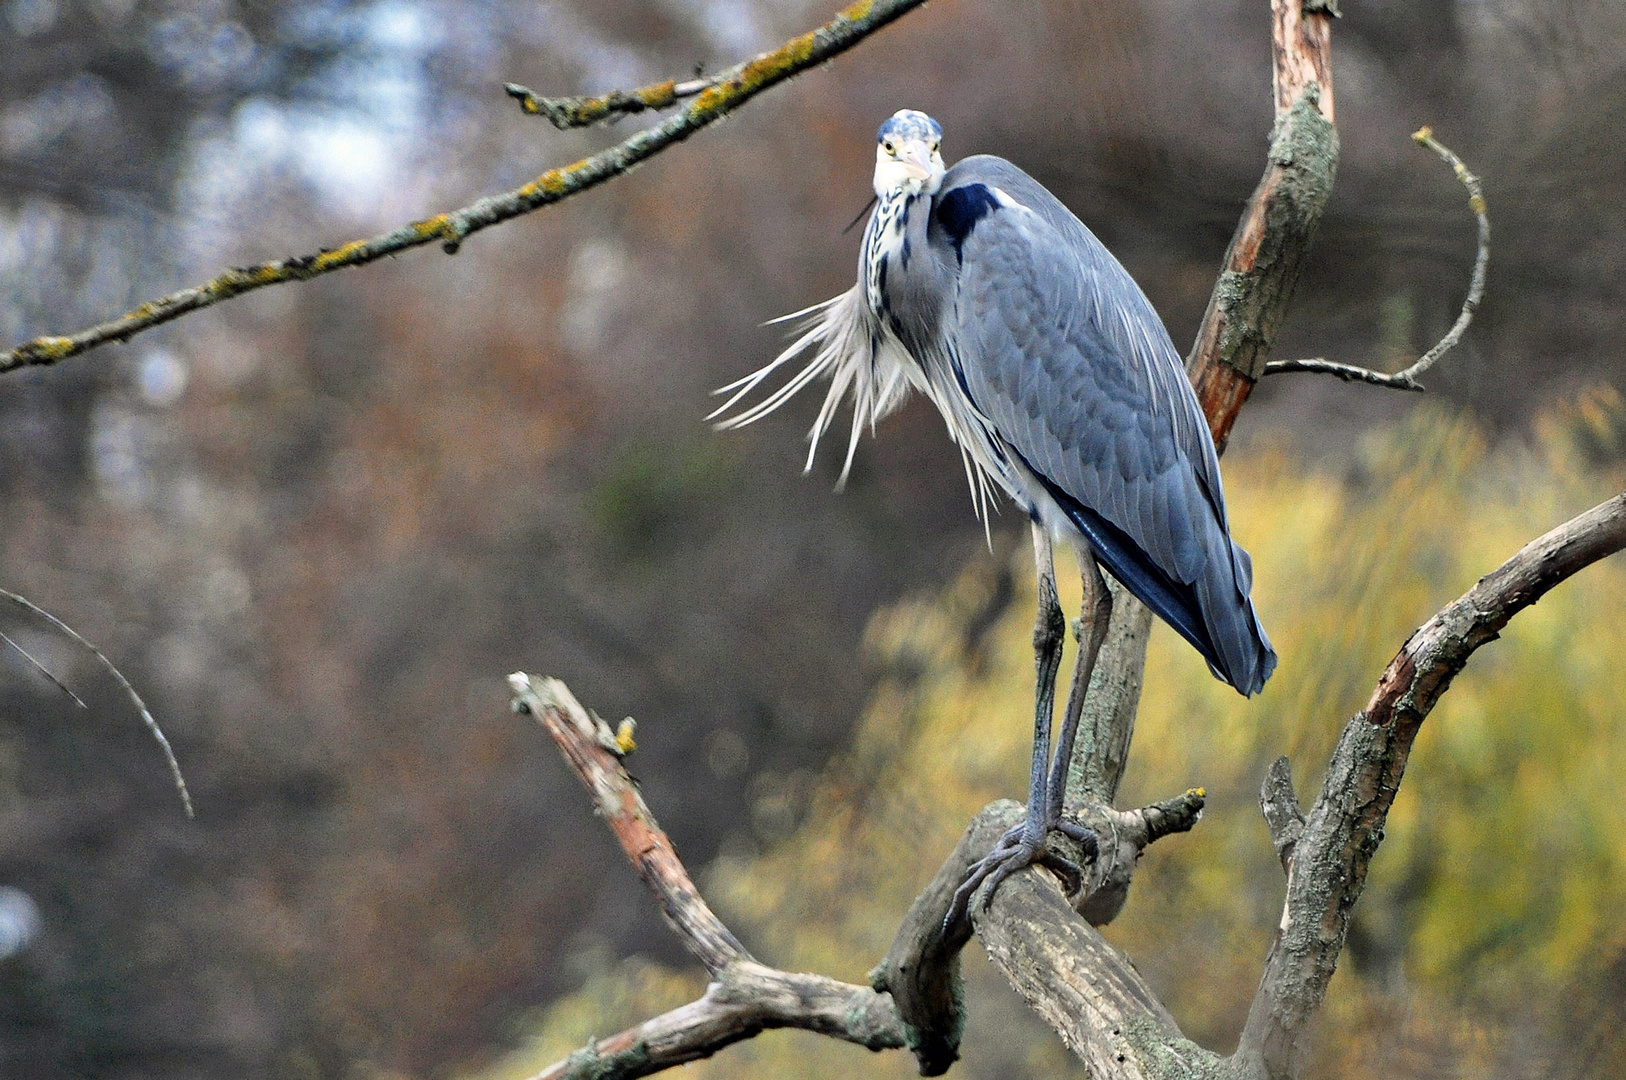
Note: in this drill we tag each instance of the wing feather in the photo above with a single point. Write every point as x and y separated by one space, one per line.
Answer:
1063 354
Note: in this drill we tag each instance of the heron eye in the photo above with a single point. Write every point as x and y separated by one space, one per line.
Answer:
888 147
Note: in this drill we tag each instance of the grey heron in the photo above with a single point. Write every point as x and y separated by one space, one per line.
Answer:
1061 387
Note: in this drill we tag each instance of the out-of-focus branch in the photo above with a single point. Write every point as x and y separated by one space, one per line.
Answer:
1343 829
565 113
1273 238
1407 379
449 229
744 997
147 717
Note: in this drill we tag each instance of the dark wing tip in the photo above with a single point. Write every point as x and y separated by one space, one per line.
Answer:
1260 673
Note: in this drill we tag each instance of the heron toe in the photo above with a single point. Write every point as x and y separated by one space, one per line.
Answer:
1022 846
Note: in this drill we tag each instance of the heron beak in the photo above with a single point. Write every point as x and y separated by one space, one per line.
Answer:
916 157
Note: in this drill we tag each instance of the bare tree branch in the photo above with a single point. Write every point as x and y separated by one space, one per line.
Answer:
1407 379
1345 826
922 968
594 751
744 1001
1280 805
730 91
1085 989
744 997
566 113
1271 241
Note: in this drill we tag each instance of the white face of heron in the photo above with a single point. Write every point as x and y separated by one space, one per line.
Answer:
909 163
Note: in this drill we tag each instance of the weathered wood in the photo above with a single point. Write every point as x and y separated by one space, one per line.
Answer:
922 968
1261 268
745 1000
1084 988
592 750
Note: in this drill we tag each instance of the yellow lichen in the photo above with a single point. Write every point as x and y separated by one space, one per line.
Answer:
338 256
267 274
431 227
857 11
624 742
660 95
553 182
777 63
51 348
754 76
1477 204
1423 134
709 100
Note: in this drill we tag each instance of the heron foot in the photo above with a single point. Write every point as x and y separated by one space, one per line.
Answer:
1022 846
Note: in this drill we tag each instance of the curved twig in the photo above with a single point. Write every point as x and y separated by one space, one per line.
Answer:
710 105
147 717
1407 379
44 671
1345 826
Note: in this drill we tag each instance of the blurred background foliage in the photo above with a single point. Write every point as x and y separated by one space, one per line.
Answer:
1488 943
318 525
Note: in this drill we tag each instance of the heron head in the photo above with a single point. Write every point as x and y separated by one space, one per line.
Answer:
908 154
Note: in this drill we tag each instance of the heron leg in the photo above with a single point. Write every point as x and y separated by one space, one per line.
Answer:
1049 630
1024 844
1092 632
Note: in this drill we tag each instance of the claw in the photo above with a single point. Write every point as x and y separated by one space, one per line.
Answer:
1015 851
1071 873
1082 834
